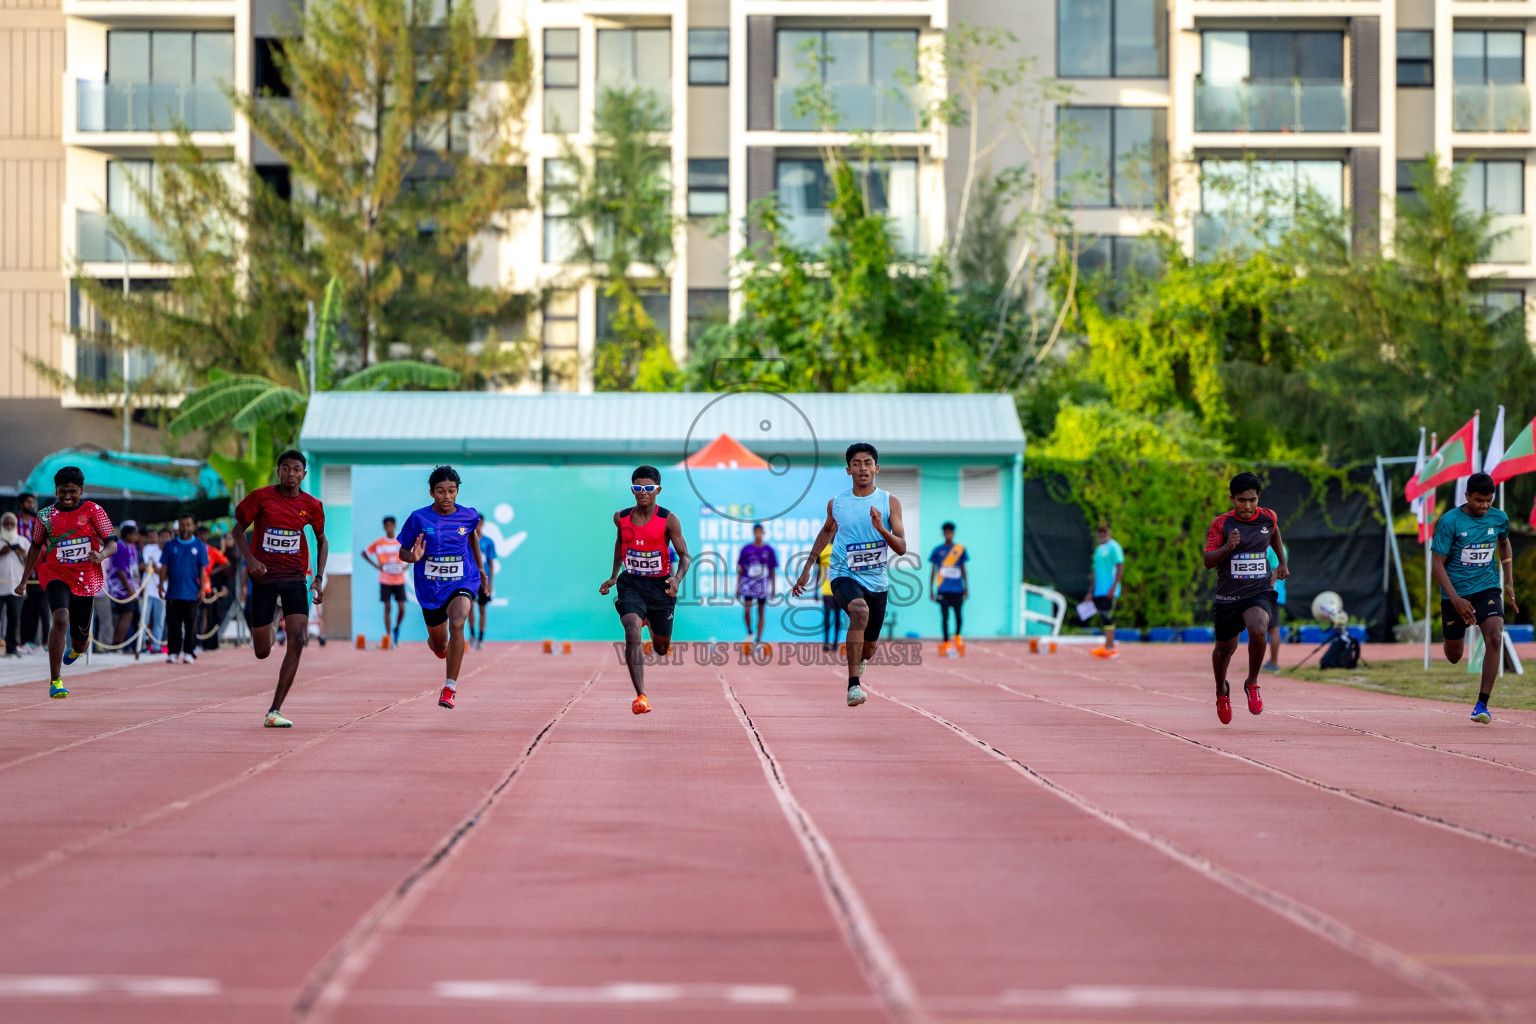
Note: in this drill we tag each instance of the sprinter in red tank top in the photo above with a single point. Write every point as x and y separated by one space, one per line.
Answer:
645 574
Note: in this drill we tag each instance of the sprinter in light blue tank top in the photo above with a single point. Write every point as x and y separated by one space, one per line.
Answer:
864 528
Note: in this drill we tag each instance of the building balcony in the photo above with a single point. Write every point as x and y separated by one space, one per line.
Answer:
1219 232
878 107
152 107
94 242
809 229
1491 107
1272 107
1511 239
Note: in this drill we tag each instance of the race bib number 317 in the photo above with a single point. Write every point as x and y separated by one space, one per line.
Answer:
1477 556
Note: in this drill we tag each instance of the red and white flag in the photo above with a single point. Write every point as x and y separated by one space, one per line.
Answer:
1519 457
1450 460
1422 505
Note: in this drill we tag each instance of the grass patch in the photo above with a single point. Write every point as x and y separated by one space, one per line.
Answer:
1443 681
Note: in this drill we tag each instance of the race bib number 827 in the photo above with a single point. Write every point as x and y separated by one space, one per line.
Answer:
866 556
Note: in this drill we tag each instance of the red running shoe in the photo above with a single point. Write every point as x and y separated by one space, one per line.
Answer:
1255 702
445 699
1224 709
441 655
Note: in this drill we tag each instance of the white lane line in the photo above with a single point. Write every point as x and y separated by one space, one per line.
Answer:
331 979
32 986
1450 989
614 992
1456 828
1127 997
878 960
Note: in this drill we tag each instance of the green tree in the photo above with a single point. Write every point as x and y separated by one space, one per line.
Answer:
617 198
400 161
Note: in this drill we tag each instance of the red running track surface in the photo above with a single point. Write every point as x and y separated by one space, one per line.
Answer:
1003 837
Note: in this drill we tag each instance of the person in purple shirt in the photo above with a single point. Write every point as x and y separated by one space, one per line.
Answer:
123 582
755 577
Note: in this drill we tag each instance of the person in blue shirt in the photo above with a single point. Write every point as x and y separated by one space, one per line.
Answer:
1474 565
948 584
488 559
183 569
443 540
1273 560
1108 568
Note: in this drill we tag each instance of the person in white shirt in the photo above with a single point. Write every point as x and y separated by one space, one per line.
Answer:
154 610
13 555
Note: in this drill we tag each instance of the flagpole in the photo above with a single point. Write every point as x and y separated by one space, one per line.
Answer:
1429 579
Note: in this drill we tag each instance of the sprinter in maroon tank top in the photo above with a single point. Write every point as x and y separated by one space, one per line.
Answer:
645 574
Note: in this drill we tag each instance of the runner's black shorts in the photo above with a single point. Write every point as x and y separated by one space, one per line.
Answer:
647 597
845 591
950 600
60 596
1106 607
1485 605
392 592
438 616
261 607
1229 614
483 599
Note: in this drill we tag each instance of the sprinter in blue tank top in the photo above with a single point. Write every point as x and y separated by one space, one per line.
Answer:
863 525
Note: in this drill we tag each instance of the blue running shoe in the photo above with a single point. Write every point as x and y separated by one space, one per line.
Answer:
56 689
71 655
1480 713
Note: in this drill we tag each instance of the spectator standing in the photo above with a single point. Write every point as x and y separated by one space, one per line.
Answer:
183 572
154 604
1108 568
35 616
13 556
123 582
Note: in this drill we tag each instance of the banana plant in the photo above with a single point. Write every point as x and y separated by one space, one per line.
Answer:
270 413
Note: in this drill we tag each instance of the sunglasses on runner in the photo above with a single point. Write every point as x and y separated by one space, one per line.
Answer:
645 488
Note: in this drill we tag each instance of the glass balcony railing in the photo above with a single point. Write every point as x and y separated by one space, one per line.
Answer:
1271 107
94 243
877 107
153 107
1511 239
1491 107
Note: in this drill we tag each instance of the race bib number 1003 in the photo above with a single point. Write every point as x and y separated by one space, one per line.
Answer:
642 563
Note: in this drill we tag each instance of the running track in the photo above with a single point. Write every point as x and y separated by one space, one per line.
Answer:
1003 837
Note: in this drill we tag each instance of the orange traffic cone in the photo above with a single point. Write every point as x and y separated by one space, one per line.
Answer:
1034 645
362 642
943 649
565 647
384 644
959 645
549 647
1053 647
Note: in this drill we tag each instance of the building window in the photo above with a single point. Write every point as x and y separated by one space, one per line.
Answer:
1415 58
267 75
1408 172
1495 186
1500 302
278 178
1272 82
127 182
637 58
562 80
1251 203
708 187
1111 38
707 307
1112 156
1119 256
866 75
1488 58
890 187
657 303
561 357
562 239
709 56
170 56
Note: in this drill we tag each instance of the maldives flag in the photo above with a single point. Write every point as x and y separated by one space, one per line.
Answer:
1451 460
1519 457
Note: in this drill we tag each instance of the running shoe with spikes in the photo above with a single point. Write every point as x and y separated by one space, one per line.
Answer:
56 689
445 699
1224 709
1480 713
276 721
641 706
71 655
1255 702
856 695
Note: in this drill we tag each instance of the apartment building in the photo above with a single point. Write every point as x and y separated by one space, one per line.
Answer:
1341 96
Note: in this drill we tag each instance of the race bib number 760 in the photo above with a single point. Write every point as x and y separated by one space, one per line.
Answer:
444 567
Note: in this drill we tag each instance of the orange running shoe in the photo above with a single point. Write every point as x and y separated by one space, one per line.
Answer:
1099 652
641 706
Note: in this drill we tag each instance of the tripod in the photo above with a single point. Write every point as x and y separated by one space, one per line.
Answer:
1335 633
